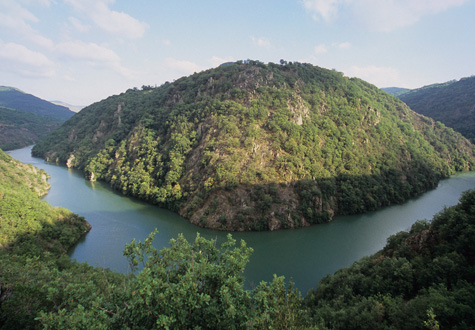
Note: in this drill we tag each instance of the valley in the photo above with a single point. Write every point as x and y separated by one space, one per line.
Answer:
294 146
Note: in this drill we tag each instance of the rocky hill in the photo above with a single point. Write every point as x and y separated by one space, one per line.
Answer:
452 103
250 146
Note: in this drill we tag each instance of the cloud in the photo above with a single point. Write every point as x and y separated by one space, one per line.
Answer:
78 25
111 21
322 9
17 19
93 54
261 42
21 60
379 15
217 61
379 76
344 45
320 49
389 15
182 67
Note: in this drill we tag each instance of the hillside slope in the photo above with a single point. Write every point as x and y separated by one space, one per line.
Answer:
452 103
19 129
249 146
15 99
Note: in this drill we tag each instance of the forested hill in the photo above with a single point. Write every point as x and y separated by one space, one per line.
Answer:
452 103
19 129
25 119
15 99
250 146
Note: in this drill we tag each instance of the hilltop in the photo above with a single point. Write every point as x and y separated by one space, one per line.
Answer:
452 103
250 146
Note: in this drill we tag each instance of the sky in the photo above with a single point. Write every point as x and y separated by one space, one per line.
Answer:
83 51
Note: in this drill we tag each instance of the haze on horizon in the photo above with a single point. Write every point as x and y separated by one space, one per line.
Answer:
82 51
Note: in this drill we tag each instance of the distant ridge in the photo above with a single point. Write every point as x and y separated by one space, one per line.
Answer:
452 103
25 118
14 98
395 91
74 108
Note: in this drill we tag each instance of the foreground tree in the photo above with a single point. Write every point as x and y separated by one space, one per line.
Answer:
197 285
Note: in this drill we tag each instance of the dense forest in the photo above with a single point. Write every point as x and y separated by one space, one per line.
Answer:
25 119
19 129
422 279
452 103
250 146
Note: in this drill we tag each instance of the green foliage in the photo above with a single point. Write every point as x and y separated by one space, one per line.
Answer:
424 278
23 214
19 129
451 103
330 144
32 236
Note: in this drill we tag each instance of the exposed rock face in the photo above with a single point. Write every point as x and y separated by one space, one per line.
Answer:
70 161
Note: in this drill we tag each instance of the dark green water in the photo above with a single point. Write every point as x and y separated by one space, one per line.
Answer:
306 254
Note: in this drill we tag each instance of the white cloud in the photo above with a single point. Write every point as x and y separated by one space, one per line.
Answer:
78 25
379 15
217 61
322 9
19 59
344 45
182 67
17 19
389 15
261 42
379 76
109 20
320 49
93 54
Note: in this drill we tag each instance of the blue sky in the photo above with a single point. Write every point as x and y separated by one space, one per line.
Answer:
82 51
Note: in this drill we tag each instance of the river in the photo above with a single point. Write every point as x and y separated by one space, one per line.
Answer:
306 255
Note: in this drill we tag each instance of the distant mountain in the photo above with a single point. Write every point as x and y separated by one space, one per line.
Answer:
15 99
74 108
250 146
25 119
452 103
395 91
